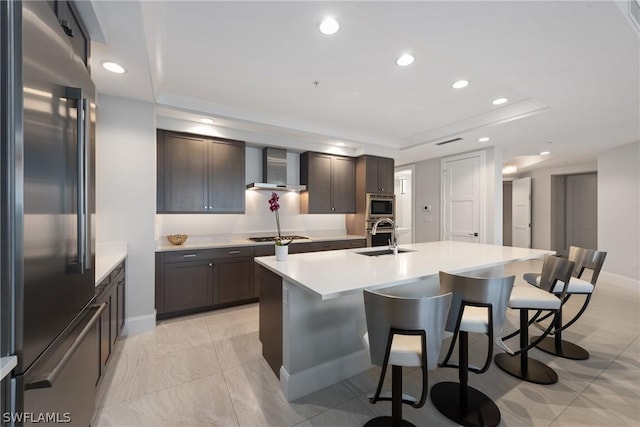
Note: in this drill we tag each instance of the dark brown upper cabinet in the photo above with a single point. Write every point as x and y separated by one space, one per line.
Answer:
199 174
379 175
330 182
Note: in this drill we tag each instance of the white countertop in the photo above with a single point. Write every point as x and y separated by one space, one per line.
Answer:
6 365
334 273
164 246
108 256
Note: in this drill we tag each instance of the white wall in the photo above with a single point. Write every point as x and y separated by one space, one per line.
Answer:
126 197
541 201
619 210
493 207
427 192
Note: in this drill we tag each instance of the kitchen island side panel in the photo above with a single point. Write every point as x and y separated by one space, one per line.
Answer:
270 317
321 344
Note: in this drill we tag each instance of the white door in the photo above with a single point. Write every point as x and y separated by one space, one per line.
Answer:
521 213
461 191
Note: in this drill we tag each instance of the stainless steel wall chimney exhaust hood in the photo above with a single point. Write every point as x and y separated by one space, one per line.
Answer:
274 172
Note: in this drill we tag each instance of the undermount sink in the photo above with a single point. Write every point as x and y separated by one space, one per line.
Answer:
383 252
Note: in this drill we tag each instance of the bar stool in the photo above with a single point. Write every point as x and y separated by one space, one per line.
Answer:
479 305
403 332
584 259
525 298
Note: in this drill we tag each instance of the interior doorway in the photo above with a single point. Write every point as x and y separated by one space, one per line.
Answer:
574 212
507 187
403 189
462 196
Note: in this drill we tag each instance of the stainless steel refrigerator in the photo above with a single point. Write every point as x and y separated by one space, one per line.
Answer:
47 255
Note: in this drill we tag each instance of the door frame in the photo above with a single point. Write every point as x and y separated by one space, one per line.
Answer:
514 223
412 170
483 191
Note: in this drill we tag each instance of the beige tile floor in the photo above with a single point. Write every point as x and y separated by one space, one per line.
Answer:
207 370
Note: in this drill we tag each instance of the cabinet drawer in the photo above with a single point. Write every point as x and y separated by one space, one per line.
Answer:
208 254
188 256
338 244
239 251
264 250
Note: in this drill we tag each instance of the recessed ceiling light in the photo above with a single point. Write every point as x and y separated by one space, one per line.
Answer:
206 121
460 84
509 169
500 101
483 139
405 59
329 26
544 153
114 67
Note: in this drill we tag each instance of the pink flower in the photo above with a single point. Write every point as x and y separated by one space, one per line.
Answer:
273 207
273 202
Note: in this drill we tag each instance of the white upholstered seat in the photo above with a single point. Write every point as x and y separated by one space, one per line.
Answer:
529 297
403 332
555 273
475 320
576 286
406 350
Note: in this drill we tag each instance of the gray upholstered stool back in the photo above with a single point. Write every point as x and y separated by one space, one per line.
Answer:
493 291
587 259
384 312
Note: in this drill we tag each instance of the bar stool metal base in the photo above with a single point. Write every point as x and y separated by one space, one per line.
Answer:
386 422
567 349
480 410
537 372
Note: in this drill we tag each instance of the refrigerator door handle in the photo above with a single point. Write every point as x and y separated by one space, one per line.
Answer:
86 118
76 94
47 379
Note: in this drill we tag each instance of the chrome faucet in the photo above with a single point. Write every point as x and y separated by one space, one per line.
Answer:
393 244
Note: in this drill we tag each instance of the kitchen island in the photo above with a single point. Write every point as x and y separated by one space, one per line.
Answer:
312 310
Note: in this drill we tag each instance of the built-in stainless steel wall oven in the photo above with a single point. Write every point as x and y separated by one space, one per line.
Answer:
379 206
382 236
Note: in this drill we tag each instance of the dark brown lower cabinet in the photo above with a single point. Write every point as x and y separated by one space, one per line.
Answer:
212 278
232 280
187 285
204 279
111 291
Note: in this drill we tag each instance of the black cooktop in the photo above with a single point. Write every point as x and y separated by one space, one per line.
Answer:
274 238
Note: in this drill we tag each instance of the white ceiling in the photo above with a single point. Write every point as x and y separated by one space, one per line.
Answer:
571 71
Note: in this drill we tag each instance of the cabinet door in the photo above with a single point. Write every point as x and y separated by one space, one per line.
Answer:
120 302
344 185
182 173
371 175
379 175
104 330
226 177
316 175
232 280
187 285
113 315
386 175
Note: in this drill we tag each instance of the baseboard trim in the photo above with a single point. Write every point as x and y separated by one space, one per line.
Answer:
140 324
300 384
625 282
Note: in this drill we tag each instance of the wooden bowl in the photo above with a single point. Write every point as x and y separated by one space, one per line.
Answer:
177 239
